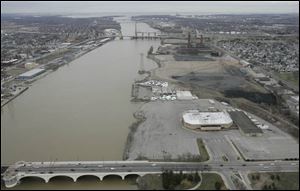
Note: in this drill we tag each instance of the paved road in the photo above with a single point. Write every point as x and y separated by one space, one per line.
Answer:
46 169
158 167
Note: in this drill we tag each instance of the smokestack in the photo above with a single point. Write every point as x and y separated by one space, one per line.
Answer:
189 40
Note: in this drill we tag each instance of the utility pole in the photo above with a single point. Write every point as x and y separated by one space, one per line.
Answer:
135 29
142 70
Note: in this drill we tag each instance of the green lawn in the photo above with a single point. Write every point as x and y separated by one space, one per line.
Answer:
209 180
203 152
279 180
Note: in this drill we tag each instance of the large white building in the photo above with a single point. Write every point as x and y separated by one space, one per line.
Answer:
185 95
206 121
31 74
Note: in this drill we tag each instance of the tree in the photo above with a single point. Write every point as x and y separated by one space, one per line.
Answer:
166 179
269 187
257 177
278 177
177 179
265 187
218 185
181 175
150 50
272 177
190 178
197 177
273 185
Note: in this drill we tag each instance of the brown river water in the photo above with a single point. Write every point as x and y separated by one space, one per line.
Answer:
82 111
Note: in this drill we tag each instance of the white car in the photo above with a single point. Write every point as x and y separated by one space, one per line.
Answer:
153 164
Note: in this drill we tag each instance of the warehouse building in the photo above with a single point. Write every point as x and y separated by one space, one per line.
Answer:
31 74
206 121
246 126
185 95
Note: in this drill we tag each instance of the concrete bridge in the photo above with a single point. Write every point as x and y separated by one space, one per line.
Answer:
141 35
101 169
74 170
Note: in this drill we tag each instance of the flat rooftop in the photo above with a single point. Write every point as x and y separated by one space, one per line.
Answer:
194 117
244 123
32 72
184 94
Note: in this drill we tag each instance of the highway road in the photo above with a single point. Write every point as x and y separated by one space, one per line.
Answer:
75 169
158 167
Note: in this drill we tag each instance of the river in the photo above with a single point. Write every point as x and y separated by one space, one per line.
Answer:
82 111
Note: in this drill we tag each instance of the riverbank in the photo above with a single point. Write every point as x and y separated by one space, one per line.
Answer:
83 107
132 129
51 69
21 90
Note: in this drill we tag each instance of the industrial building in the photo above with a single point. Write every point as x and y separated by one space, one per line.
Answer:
185 95
31 74
206 121
245 124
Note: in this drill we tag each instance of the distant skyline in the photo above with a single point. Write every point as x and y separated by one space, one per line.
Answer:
201 7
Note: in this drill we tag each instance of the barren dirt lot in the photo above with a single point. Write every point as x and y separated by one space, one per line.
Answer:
224 75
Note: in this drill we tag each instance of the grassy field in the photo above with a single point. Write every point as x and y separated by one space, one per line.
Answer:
155 182
204 156
203 152
292 77
209 180
150 182
275 180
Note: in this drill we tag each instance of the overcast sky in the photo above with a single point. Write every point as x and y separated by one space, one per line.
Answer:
149 6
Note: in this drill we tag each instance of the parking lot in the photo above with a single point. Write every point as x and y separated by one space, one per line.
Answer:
162 136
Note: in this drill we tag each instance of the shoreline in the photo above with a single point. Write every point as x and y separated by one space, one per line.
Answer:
15 96
138 115
31 81
140 118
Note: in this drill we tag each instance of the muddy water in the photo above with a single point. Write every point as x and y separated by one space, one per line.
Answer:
79 112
